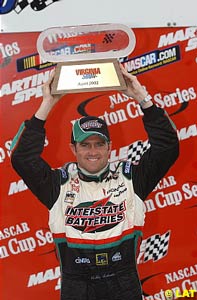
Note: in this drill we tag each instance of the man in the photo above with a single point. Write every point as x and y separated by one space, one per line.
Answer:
96 215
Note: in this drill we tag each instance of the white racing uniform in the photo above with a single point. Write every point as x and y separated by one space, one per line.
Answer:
97 221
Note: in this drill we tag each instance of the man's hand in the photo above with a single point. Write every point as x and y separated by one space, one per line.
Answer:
49 100
46 90
134 88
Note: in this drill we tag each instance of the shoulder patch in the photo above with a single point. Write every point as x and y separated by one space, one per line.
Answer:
127 169
65 170
64 173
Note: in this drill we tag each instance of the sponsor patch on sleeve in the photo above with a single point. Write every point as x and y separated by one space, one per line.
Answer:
127 169
64 175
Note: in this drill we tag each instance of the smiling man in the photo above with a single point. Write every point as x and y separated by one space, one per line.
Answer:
96 215
90 143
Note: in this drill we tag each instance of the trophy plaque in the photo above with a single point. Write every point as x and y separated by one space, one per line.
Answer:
86 56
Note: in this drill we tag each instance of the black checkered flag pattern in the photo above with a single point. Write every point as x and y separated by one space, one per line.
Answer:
157 246
108 38
137 149
36 5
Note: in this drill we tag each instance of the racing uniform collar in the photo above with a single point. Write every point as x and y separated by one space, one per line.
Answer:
98 177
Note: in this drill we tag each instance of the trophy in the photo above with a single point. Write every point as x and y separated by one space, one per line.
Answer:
87 56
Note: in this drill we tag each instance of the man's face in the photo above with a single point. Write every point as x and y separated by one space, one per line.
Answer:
92 154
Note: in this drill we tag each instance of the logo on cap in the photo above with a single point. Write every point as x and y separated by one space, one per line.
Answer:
91 124
87 126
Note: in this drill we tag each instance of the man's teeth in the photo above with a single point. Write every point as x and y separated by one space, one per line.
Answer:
93 159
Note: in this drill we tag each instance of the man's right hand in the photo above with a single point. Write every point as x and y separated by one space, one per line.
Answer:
49 100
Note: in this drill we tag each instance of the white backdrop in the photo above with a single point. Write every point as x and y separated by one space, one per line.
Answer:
39 15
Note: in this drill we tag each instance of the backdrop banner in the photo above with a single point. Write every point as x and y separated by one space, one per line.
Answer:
165 61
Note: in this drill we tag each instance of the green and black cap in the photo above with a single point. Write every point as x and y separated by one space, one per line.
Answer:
87 126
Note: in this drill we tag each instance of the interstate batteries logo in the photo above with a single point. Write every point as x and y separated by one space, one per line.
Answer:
95 216
153 60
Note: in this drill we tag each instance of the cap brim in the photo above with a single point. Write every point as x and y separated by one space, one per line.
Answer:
85 135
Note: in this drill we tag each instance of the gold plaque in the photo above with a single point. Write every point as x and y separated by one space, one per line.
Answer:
88 76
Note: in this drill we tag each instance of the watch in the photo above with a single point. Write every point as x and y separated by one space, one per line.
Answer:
145 100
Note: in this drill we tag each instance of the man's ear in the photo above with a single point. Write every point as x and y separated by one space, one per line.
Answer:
73 148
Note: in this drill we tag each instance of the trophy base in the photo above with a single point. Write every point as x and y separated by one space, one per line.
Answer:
88 76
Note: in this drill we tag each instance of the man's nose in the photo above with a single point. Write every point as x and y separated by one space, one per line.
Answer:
92 148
